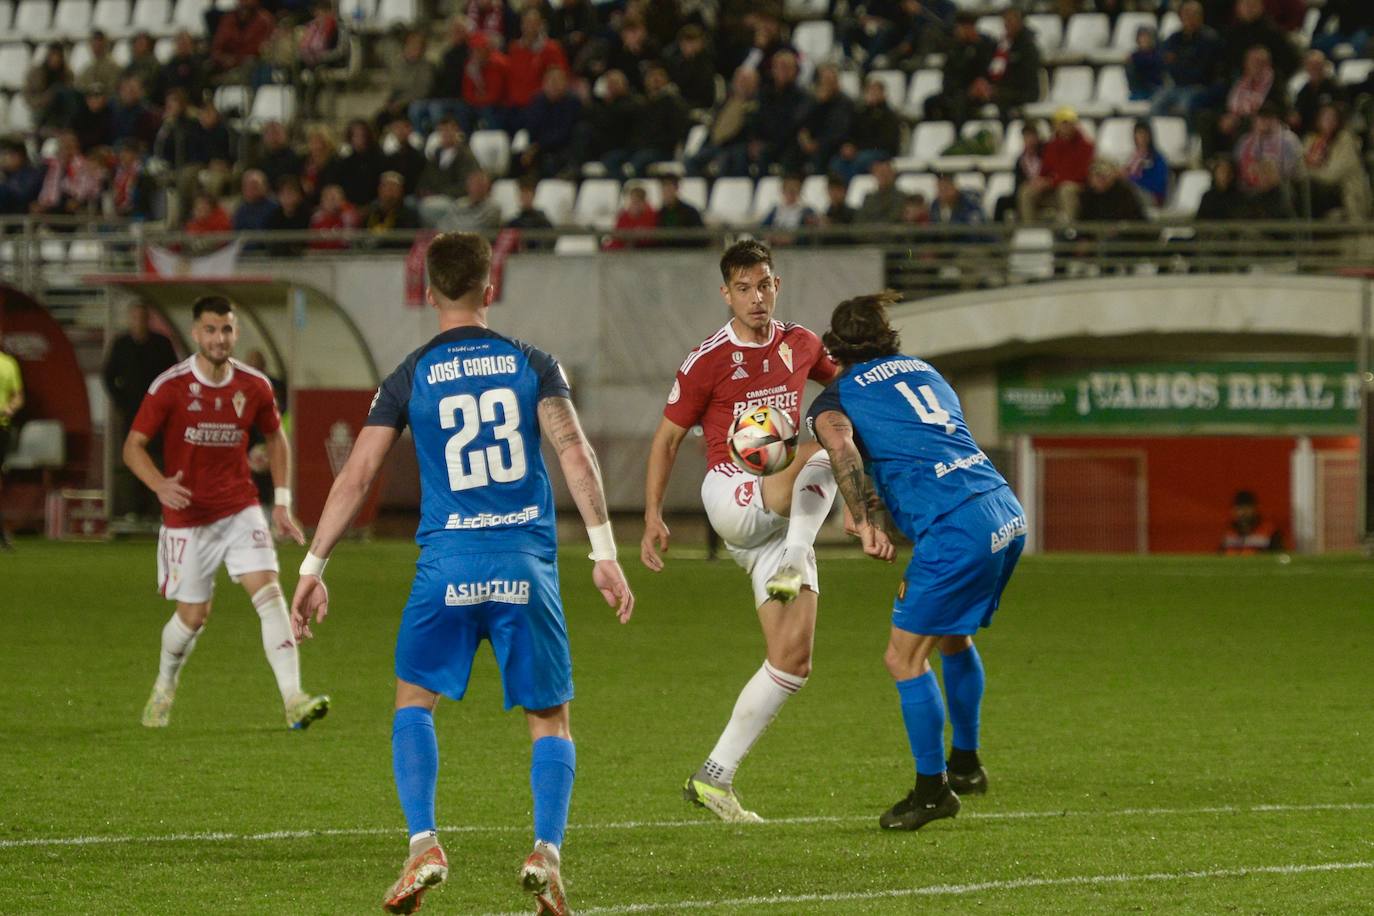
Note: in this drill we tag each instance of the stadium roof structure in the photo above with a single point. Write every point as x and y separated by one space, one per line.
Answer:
306 335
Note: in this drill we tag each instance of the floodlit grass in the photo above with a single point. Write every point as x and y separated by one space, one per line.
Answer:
1163 735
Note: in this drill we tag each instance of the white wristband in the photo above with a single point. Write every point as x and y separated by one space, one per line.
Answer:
313 565
603 542
281 496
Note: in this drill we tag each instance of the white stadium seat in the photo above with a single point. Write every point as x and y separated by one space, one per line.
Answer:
42 443
19 118
693 191
505 193
859 187
1000 184
32 19
1049 32
767 193
1188 192
805 9
273 103
190 15
14 65
598 200
153 16
1072 86
1171 139
922 183
815 193
232 101
397 12
851 84
1116 139
730 201
697 136
6 15
492 149
1354 71
1123 36
924 84
121 51
930 139
971 181
79 56
111 16
992 26
1114 92
72 19
164 49
555 197
653 192
814 39
894 81
1086 34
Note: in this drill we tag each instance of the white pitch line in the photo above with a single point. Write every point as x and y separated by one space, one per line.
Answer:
952 890
703 821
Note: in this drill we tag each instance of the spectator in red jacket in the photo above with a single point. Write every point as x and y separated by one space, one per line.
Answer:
334 213
1063 171
484 86
637 214
207 216
530 56
239 38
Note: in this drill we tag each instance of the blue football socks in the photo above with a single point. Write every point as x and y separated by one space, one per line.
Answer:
923 711
415 762
964 687
553 763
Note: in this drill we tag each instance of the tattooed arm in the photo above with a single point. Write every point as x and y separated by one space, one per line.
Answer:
559 425
836 434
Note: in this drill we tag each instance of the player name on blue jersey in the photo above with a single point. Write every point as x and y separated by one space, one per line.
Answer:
458 367
884 371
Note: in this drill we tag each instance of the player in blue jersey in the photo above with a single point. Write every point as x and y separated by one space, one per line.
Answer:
478 405
897 419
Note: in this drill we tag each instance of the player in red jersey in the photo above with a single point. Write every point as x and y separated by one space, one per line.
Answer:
204 408
769 524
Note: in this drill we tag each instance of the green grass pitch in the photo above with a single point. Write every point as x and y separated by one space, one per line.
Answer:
1163 735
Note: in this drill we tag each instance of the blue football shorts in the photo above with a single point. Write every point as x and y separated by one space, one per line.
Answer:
962 563
509 599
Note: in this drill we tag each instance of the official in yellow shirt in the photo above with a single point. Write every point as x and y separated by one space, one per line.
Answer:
11 399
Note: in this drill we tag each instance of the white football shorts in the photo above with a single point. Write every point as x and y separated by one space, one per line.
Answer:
754 536
189 558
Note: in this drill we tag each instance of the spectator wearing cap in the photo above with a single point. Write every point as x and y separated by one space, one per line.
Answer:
636 215
484 86
1320 89
48 89
529 58
691 68
93 121
1063 172
256 210
966 67
405 157
552 119
876 133
1269 141
102 71
1192 64
131 115
884 203
239 39
825 126
676 213
389 212
20 179
143 62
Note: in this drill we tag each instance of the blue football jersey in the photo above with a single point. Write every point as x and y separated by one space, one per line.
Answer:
470 397
910 429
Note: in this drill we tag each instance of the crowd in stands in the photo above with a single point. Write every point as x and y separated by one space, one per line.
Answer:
662 92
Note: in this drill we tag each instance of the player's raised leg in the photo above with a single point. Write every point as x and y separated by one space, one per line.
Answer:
789 631
923 713
415 765
279 645
553 766
963 674
804 493
178 639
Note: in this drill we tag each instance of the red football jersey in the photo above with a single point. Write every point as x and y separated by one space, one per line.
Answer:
724 375
204 429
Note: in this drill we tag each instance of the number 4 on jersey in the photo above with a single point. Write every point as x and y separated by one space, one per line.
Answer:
930 411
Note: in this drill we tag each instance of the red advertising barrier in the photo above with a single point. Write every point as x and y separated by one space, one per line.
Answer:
325 423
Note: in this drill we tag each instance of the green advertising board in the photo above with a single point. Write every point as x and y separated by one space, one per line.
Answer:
1194 397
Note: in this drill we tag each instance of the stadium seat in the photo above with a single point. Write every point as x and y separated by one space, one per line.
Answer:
1354 71
999 185
232 101
1087 34
992 26
273 103
1116 139
924 84
694 192
814 192
1169 23
930 139
492 149
555 197
79 55
971 181
851 84
1171 137
653 192
112 16
6 16
575 244
152 16
1114 92
598 200
41 446
730 201
767 193
190 15
859 187
1049 33
917 183
121 51
1123 36
815 39
894 81
72 18
14 65
19 119
164 49
505 193
697 136
1071 86
805 9
397 12
32 19
1188 191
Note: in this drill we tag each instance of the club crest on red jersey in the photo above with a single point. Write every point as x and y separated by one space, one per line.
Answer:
239 401
785 354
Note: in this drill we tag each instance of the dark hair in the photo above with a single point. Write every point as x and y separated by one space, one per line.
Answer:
458 263
743 255
218 305
1244 498
859 330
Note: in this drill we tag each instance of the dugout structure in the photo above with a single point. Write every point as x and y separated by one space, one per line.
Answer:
310 343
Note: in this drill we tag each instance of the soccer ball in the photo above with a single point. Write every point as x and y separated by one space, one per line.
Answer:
762 440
